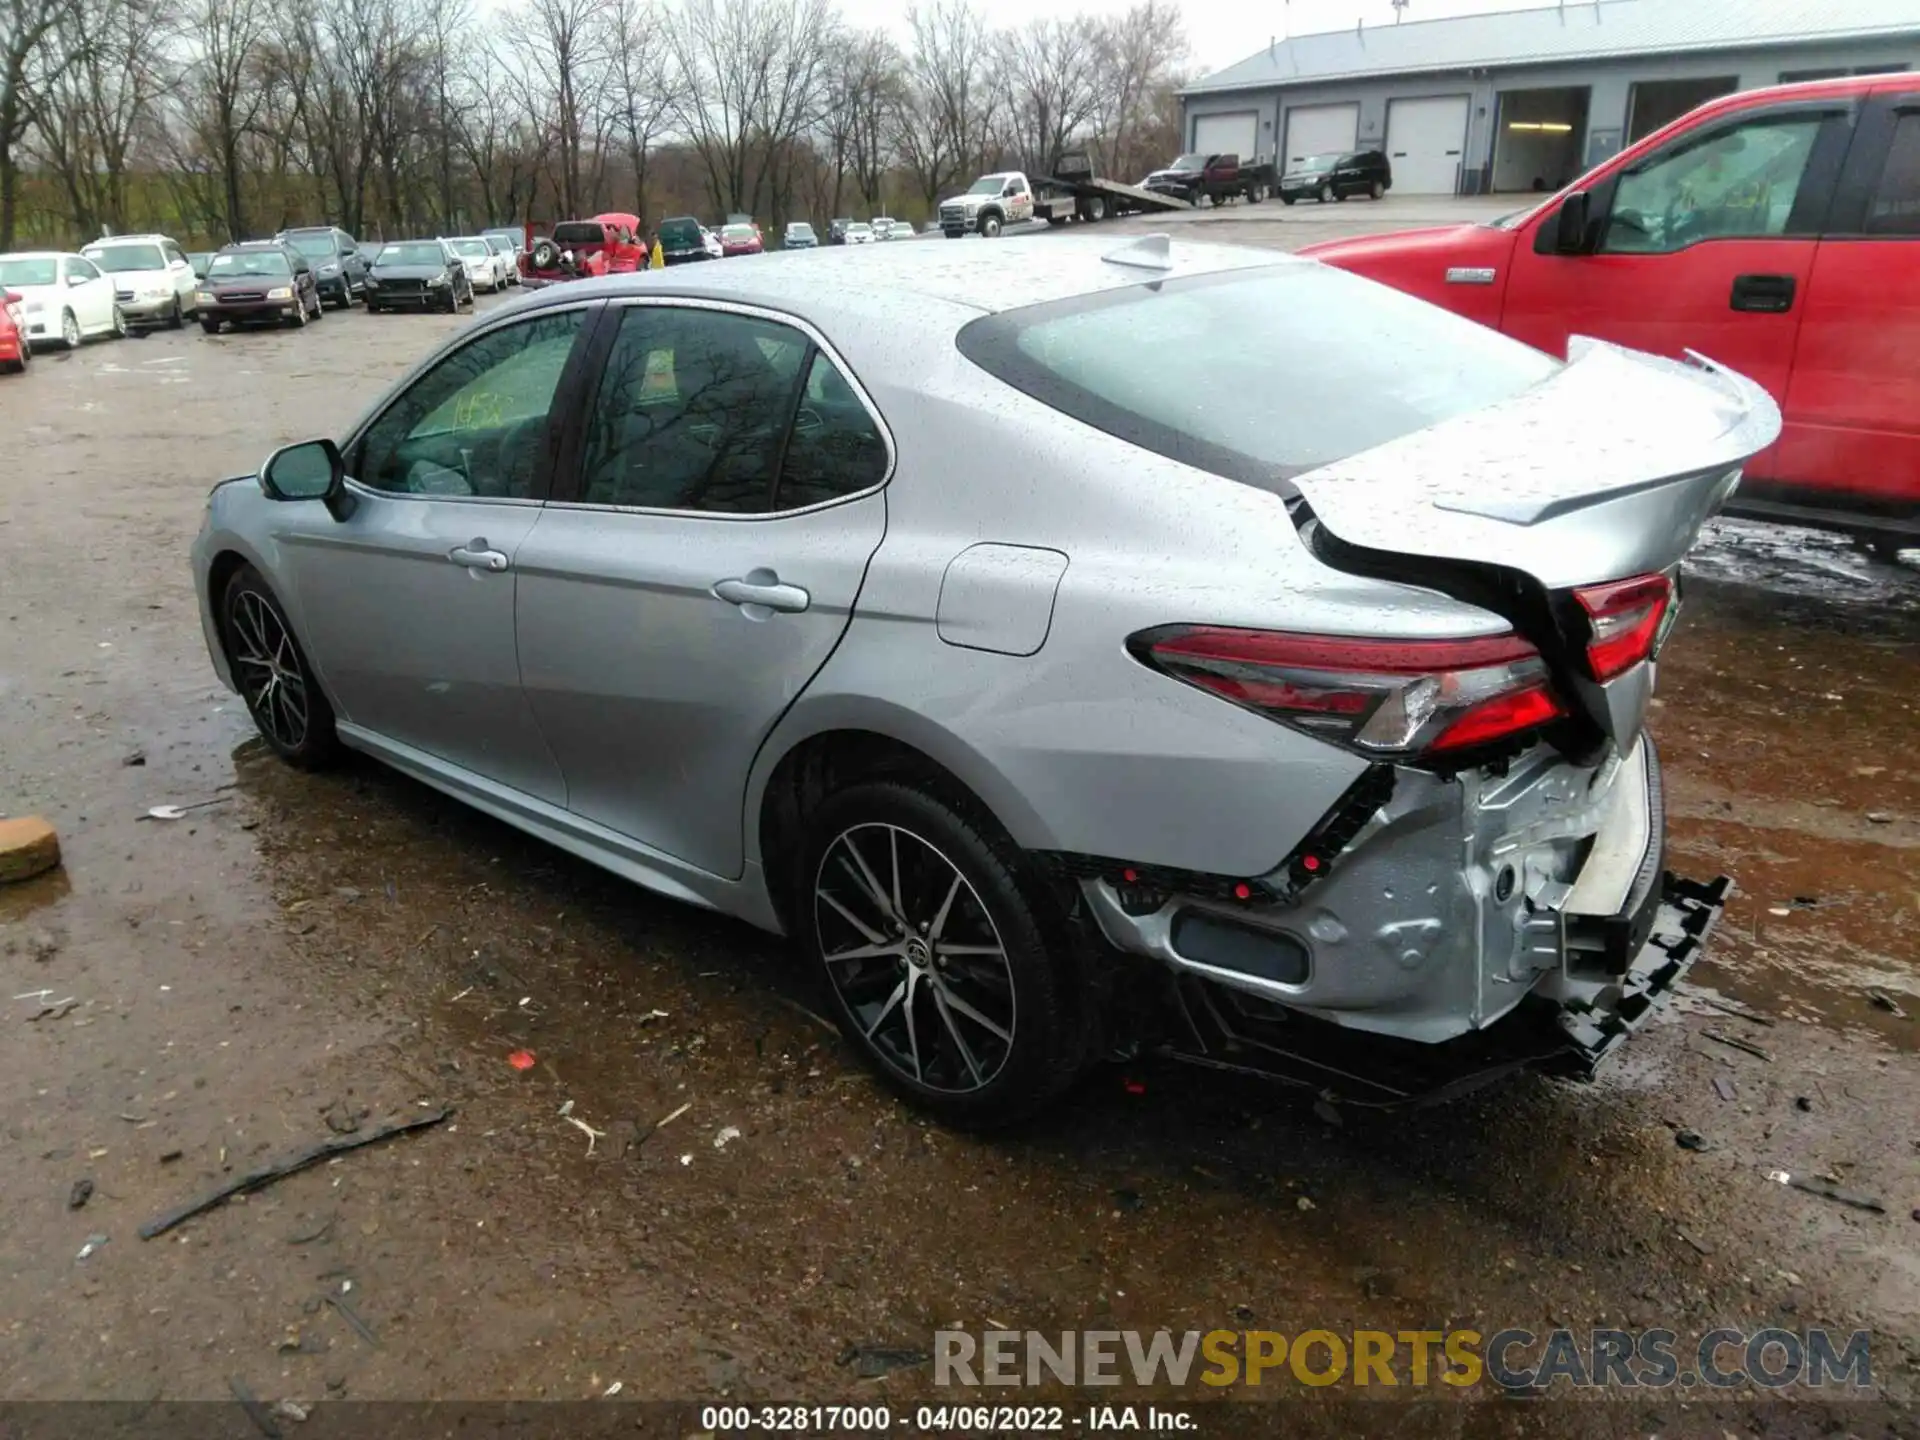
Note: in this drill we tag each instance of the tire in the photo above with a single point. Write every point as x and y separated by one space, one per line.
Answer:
1323 194
177 320
69 330
119 323
1286 199
1376 190
299 321
1096 209
1340 195
990 226
272 674
210 326
979 1038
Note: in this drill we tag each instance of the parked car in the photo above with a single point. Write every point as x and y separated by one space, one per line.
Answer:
511 238
712 241
199 260
1344 668
682 241
799 236
259 282
418 275
859 233
1776 231
837 231
484 267
64 298
153 281
508 256
603 245
1336 176
882 226
739 239
338 267
15 353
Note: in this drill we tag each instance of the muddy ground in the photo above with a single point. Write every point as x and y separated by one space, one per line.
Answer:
308 954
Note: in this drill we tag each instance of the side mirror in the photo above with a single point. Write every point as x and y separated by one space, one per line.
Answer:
12 297
1571 237
311 470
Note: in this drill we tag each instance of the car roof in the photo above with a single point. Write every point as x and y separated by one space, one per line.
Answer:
874 292
125 239
37 254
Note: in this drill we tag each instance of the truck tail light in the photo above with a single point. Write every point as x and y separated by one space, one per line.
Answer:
1385 698
1623 621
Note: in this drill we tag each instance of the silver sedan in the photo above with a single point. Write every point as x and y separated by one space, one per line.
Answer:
1080 646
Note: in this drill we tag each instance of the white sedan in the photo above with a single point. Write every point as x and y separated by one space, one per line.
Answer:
482 262
64 298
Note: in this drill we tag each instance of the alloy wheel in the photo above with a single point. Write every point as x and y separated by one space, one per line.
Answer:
119 323
70 331
267 667
915 957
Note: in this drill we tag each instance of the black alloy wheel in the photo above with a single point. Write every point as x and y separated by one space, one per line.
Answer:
273 677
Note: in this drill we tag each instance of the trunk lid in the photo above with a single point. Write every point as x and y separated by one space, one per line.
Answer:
1608 469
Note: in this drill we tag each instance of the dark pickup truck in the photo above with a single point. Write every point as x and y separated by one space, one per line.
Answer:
1214 178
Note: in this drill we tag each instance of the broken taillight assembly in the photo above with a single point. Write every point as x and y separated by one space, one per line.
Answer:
1624 622
1387 698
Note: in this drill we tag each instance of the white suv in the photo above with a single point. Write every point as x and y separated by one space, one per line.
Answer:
153 281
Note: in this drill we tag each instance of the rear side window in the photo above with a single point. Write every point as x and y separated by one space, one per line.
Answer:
1896 202
579 232
1259 375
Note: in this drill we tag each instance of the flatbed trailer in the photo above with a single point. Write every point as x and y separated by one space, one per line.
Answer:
1076 193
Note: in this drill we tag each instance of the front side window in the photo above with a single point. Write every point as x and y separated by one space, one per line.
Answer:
475 424
1895 208
1739 183
78 269
693 408
1342 364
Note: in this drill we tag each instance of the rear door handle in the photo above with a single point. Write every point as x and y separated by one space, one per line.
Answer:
763 588
1763 294
476 555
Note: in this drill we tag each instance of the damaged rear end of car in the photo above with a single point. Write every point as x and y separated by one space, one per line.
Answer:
1490 890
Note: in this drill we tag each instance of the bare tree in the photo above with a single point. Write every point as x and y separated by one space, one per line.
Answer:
943 120
563 47
642 83
225 96
27 59
1051 67
750 75
1137 55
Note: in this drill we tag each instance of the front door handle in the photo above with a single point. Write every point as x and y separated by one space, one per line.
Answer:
476 555
763 588
1763 294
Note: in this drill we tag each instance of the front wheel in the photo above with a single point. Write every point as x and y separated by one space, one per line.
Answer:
1323 194
273 677
119 323
178 319
210 326
990 227
69 330
1286 199
927 929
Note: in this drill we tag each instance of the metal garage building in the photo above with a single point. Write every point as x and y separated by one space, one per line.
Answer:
1528 99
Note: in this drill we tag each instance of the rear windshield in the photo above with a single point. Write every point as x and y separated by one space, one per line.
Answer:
680 232
579 232
249 262
30 272
1258 375
737 232
476 248
119 259
412 253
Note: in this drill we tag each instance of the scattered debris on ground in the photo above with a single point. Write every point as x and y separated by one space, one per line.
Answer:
258 1413
870 1362
93 1243
1736 1043
81 1193
522 1060
1723 1087
359 1326
727 1135
1827 1190
1883 1001
313 1155
1689 1140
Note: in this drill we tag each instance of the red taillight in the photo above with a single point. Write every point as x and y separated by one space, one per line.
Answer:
1624 619
1381 697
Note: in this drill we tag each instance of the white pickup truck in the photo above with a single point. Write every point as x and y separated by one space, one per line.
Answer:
991 202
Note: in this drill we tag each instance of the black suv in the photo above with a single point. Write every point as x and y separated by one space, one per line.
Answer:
1335 177
337 262
837 232
681 241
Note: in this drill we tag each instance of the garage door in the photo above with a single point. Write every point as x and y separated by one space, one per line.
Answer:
1320 130
1235 134
1427 143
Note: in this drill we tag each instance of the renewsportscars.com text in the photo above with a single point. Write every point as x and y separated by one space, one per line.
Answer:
1512 1359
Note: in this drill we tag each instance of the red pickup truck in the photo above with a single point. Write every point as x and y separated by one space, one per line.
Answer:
607 244
1776 231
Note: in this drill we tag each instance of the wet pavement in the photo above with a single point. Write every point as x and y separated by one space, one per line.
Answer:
313 955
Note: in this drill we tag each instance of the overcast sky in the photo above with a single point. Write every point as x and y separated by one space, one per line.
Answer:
1219 32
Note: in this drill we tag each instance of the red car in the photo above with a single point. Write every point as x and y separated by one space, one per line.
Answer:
1775 231
740 239
15 353
603 245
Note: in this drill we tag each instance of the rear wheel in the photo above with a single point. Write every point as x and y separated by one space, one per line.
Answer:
1376 190
210 325
1286 199
929 934
273 677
